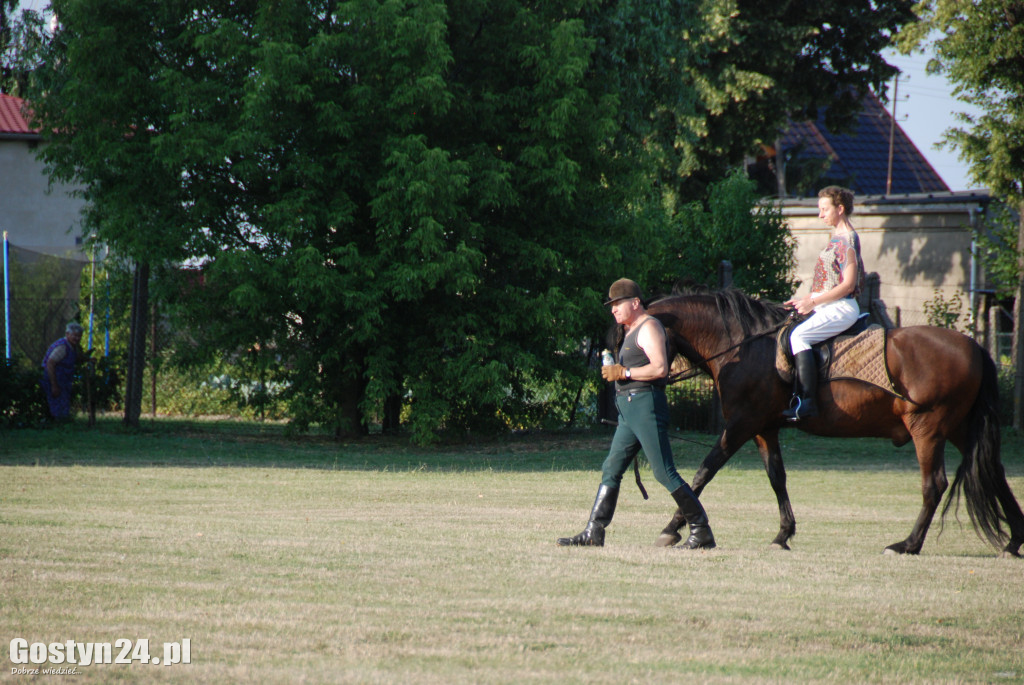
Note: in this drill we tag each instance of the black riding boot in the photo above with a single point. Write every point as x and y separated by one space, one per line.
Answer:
700 532
600 518
806 367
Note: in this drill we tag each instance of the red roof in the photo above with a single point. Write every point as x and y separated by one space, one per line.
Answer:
12 121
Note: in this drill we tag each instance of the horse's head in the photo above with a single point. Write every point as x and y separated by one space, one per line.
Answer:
688 319
703 324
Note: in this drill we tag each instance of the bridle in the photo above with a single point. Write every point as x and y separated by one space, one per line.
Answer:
693 373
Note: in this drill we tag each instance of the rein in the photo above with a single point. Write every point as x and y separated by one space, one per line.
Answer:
693 373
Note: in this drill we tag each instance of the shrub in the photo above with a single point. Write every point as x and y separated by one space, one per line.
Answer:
21 396
944 313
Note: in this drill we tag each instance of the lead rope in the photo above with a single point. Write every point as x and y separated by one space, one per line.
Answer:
636 473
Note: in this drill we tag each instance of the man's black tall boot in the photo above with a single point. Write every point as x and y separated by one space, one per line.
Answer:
600 518
806 367
700 532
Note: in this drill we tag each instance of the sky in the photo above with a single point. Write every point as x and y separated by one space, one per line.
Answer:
925 108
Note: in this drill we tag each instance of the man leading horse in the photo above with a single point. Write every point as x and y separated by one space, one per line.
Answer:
640 376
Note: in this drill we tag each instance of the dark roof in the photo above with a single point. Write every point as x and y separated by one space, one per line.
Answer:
860 157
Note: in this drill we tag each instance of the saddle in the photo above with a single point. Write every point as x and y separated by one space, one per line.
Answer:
858 353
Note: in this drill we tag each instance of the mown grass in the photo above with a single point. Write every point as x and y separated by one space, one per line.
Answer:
301 559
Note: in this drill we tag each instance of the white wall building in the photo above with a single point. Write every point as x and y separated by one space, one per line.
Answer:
35 215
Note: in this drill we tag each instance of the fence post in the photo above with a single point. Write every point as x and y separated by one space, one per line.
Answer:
993 330
724 274
7 300
872 290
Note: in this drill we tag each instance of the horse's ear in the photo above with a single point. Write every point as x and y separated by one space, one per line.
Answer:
687 286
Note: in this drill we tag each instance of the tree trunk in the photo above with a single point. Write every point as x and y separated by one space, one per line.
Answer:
392 414
348 417
1018 321
345 394
152 356
136 346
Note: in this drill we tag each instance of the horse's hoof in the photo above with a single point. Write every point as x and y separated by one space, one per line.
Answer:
890 552
779 545
1009 554
668 540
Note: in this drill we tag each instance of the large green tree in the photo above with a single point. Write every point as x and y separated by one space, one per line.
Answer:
979 46
418 200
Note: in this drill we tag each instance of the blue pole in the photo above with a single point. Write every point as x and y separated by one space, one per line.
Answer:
106 335
7 298
92 294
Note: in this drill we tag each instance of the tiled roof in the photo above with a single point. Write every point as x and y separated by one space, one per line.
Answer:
860 158
12 121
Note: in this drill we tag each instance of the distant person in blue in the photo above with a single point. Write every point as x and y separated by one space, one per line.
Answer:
59 371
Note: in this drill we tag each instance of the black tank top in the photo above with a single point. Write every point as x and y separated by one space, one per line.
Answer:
632 355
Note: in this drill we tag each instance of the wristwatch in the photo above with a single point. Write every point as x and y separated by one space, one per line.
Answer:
629 374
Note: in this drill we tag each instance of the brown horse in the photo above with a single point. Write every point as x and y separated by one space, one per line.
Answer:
946 390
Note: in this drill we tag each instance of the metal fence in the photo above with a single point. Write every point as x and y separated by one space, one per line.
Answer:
41 295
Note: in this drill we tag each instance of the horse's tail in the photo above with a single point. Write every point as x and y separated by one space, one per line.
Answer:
980 475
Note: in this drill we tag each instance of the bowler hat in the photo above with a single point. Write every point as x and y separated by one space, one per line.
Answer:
623 289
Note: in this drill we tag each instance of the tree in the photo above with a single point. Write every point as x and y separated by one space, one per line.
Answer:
420 201
979 46
22 38
735 225
7 8
997 235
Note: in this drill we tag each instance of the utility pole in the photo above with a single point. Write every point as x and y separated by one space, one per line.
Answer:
892 134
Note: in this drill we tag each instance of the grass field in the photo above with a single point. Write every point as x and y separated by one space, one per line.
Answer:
299 559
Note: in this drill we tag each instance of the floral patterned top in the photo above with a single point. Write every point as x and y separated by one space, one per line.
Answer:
828 272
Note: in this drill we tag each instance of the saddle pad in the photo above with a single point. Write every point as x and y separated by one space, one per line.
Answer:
862 358
859 357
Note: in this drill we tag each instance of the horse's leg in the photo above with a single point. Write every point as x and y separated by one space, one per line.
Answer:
670 535
930 457
771 454
720 453
1014 518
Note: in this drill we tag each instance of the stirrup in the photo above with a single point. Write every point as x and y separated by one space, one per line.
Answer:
792 412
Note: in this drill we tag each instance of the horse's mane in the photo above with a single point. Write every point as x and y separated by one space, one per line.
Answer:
752 315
